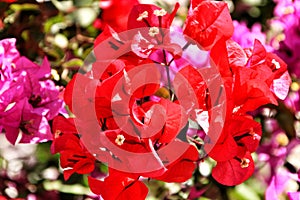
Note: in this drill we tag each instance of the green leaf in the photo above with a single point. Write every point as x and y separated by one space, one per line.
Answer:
58 20
63 6
80 3
25 6
75 62
43 153
54 52
243 192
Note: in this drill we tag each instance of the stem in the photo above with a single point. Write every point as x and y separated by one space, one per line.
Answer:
186 45
168 72
195 141
146 22
160 30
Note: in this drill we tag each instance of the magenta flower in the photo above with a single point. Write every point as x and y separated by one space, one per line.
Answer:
279 184
245 36
28 97
294 195
287 17
8 55
293 100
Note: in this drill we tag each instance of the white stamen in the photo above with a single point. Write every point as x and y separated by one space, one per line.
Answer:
142 16
255 136
277 65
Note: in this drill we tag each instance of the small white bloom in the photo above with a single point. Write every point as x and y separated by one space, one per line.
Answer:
120 140
142 16
277 65
245 163
153 31
160 13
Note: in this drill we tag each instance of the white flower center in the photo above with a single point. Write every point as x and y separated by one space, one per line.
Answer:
160 13
245 163
277 65
153 31
120 140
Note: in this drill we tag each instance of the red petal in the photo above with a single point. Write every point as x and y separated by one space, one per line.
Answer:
231 173
120 8
80 162
209 22
62 124
83 91
259 53
250 90
280 86
236 55
246 132
183 168
224 150
137 190
190 89
118 186
175 121
220 58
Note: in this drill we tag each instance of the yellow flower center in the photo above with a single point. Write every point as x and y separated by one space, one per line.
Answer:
245 162
282 139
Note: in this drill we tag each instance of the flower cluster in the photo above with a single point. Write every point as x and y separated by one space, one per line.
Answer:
28 97
134 109
286 20
245 36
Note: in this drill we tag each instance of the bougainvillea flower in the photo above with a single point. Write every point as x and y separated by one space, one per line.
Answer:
28 98
277 185
248 134
294 195
245 36
237 170
286 41
74 157
145 102
241 134
275 152
123 185
208 22
250 92
183 168
258 89
8 56
293 99
8 51
178 171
